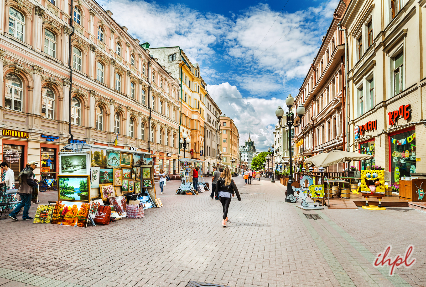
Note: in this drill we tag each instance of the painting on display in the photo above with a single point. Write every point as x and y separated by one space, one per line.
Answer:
146 172
99 158
95 173
127 173
119 204
137 187
106 176
147 183
44 214
118 190
125 186
126 159
131 186
107 190
71 213
113 159
137 160
75 164
118 176
147 161
73 187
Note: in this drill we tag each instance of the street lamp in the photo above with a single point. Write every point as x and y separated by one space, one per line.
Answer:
268 158
271 153
290 121
232 164
183 141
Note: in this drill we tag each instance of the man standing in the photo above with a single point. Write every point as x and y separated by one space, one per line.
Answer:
26 184
195 178
250 176
9 179
216 175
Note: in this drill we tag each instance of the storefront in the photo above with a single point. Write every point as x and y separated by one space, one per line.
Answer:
15 151
402 156
367 147
48 159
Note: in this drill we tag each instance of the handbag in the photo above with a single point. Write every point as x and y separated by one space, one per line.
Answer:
103 215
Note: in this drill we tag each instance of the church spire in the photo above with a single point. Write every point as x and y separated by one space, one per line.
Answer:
249 138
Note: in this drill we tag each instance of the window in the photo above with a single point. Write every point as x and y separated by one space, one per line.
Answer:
224 124
359 47
143 97
76 59
100 72
131 128
13 98
370 33
161 83
132 90
172 57
16 24
224 149
118 49
118 82
398 74
49 43
152 134
48 103
99 118
224 132
224 140
167 139
117 124
153 77
132 59
161 137
371 93
153 103
161 107
75 112
100 34
395 7
224 158
142 131
360 101
77 16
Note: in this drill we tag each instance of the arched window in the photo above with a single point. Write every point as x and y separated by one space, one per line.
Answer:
117 124
76 112
132 90
49 43
99 118
76 59
143 97
100 34
48 104
118 82
131 128
13 97
16 24
100 72
118 49
132 59
77 15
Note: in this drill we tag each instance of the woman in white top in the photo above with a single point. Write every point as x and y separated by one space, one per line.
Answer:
162 180
9 179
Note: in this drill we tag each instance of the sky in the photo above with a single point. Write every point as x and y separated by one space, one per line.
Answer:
252 54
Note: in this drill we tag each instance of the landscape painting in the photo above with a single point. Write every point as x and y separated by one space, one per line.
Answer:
75 164
147 161
126 159
113 159
73 188
106 176
99 158
137 160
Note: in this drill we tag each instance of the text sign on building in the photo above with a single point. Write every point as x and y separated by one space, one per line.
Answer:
369 126
403 111
49 138
77 141
16 134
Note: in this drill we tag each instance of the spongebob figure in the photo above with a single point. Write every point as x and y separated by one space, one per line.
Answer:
373 181
316 191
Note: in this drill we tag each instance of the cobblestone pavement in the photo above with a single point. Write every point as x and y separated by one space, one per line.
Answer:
268 243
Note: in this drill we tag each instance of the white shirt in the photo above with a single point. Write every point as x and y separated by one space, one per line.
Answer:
9 179
162 177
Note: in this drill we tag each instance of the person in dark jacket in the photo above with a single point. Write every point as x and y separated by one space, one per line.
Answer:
225 189
26 184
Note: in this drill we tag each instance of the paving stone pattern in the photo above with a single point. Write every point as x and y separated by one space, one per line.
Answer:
268 243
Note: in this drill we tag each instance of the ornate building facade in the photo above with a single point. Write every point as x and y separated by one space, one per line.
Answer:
246 152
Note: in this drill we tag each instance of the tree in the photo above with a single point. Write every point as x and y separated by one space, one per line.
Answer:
258 161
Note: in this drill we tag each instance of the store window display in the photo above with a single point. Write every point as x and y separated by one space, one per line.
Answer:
48 163
14 156
403 155
367 148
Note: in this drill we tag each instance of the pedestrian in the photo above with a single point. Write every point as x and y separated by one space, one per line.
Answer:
162 180
250 176
195 178
254 174
9 179
27 183
216 175
246 176
225 188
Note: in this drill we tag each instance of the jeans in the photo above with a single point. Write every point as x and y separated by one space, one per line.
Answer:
162 186
195 183
249 180
225 204
25 203
245 180
213 190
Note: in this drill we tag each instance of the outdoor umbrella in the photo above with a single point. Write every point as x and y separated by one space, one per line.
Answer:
336 156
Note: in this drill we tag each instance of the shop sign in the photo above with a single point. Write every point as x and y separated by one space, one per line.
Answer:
403 111
16 134
77 141
369 126
133 148
49 138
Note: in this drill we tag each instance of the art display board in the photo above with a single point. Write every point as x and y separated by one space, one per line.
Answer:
74 164
74 187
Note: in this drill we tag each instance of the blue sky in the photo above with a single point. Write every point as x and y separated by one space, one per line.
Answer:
252 54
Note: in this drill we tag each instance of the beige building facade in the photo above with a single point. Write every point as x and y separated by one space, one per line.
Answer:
229 143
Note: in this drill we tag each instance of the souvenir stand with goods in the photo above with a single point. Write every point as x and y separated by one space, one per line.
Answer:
186 187
202 185
98 184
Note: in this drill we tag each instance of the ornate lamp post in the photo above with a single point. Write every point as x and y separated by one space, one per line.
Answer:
290 121
183 141
271 153
268 158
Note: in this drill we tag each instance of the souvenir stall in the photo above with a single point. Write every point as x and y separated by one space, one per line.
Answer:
186 169
98 185
202 185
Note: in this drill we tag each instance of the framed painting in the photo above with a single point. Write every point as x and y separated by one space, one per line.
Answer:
118 176
99 158
73 187
106 176
95 173
118 190
71 213
74 164
125 186
127 172
113 159
107 190
126 160
119 204
131 186
137 187
44 214
147 161
137 160
147 183
146 173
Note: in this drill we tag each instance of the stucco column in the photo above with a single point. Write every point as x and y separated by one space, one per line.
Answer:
64 113
91 21
65 45
111 75
128 84
138 129
36 98
92 116
2 15
111 118
92 61
1 76
38 29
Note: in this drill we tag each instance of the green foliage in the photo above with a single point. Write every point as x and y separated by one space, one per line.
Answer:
258 161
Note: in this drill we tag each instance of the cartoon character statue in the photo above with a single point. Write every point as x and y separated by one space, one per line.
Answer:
317 191
396 174
420 191
413 169
373 181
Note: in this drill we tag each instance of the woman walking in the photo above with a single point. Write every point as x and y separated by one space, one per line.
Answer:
225 188
162 180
